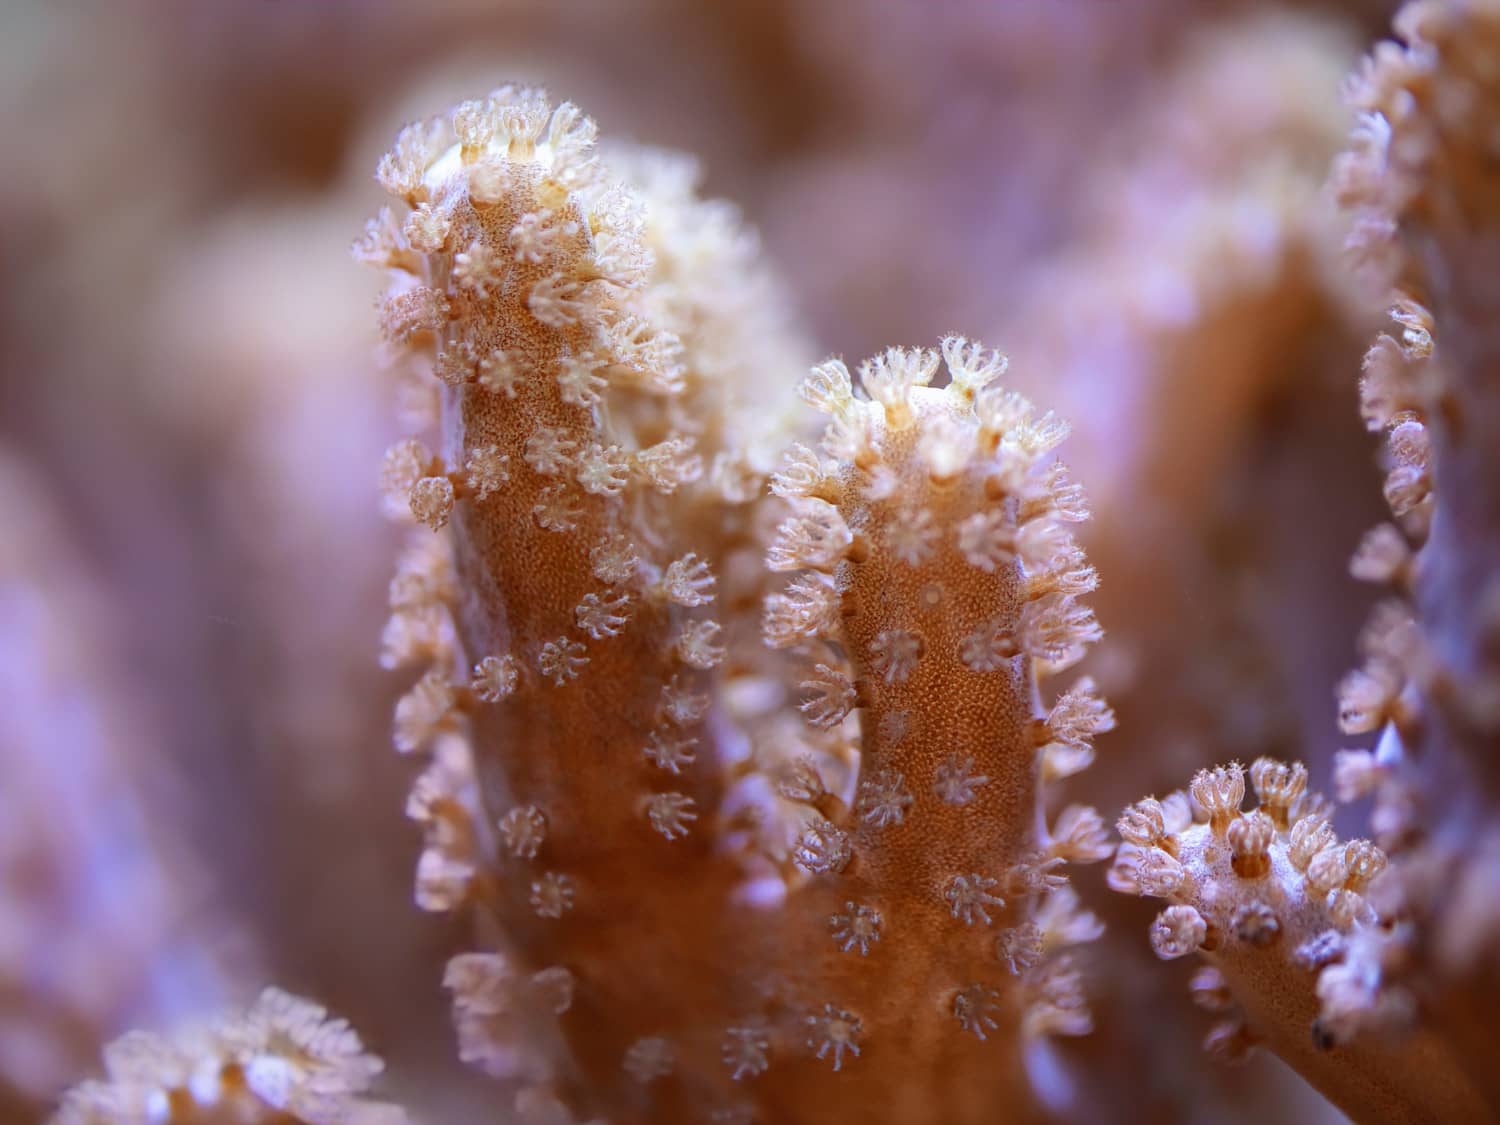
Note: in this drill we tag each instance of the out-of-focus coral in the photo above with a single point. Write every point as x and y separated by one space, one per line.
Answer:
1422 180
107 922
284 495
1195 332
284 1060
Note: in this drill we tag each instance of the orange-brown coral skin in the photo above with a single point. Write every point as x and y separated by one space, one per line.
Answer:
706 912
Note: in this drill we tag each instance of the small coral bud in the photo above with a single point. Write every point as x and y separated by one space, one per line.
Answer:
1034 874
807 608
476 270
1143 825
1178 931
474 125
1038 436
489 183
912 536
1066 498
1123 876
486 469
745 1052
494 678
669 464
523 829
408 314
975 1009
1079 836
432 501
699 644
1364 861
1309 836
1219 792
1316 952
401 170
989 648
828 388
579 382
857 928
1210 991
800 476
971 365
689 582
558 303
499 374
823 848
883 799
1021 947
968 895
954 780
834 1031
1056 630
1349 909
1255 923
1158 874
552 895
894 654
1279 787
427 229
602 617
801 782
1001 411
987 540
946 447
613 561
680 704
562 660
1079 714
1250 845
889 378
832 697
1327 869
671 814
405 464
669 752
816 538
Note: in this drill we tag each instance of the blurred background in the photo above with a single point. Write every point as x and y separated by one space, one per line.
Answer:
197 792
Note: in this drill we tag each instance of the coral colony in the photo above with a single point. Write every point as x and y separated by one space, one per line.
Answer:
743 693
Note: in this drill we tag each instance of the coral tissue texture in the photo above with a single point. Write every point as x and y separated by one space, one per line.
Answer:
737 744
743 702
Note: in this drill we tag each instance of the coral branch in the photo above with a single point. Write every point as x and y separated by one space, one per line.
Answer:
1271 898
860 908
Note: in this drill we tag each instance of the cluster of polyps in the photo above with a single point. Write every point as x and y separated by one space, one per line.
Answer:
283 1060
709 906
1422 184
934 580
1276 902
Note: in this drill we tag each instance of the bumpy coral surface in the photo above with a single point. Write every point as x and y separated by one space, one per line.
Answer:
1271 898
712 906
